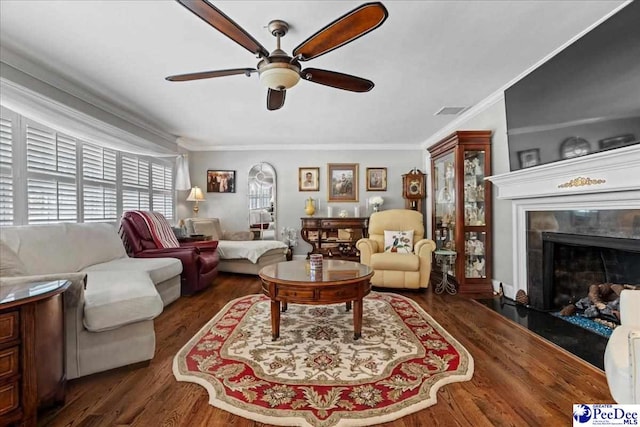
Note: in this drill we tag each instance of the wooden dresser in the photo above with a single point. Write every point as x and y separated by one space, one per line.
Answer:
334 237
32 362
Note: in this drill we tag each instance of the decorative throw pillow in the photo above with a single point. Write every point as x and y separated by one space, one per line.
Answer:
10 264
398 241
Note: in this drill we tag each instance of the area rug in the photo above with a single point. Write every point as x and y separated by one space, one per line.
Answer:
316 374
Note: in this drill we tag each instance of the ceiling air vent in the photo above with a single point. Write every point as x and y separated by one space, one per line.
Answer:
450 111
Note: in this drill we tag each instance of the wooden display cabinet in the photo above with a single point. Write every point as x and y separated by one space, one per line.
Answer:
462 207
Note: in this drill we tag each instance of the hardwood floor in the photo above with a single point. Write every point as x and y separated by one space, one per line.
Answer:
519 379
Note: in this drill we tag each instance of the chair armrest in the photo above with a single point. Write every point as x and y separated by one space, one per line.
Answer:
184 254
424 248
237 235
634 360
367 247
630 308
201 246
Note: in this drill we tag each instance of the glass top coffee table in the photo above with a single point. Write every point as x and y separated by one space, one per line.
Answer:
295 282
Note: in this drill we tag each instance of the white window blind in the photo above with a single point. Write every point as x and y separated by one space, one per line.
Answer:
162 186
52 194
6 171
135 183
99 198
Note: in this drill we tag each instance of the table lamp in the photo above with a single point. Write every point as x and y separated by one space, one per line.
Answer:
195 195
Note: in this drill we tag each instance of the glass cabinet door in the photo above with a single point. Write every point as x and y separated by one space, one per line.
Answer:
445 202
474 186
474 254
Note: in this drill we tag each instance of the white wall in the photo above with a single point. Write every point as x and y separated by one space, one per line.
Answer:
494 118
232 209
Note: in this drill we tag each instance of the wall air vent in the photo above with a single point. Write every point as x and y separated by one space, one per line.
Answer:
450 111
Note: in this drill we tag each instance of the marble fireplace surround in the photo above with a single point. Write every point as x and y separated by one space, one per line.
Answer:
606 180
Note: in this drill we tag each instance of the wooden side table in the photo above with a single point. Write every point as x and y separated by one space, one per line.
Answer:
32 356
194 238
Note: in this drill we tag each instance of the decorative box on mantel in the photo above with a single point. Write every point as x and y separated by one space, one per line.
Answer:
608 180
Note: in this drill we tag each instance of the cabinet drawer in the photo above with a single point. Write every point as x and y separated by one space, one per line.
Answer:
296 294
8 397
9 362
9 327
338 293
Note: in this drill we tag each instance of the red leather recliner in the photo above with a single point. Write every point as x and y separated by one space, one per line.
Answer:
199 259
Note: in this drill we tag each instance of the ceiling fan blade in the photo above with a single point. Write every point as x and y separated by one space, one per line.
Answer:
221 22
210 74
275 99
337 80
343 30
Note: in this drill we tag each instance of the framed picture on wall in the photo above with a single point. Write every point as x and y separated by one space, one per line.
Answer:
308 179
529 158
342 182
221 181
376 179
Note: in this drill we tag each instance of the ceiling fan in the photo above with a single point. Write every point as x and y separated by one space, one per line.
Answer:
279 71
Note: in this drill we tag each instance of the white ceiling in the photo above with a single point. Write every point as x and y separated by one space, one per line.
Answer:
428 54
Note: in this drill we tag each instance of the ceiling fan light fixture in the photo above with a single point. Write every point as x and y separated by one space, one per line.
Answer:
279 76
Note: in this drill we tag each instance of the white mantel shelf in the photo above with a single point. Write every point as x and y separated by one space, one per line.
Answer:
619 169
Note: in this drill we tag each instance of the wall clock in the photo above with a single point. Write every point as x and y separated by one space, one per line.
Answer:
413 189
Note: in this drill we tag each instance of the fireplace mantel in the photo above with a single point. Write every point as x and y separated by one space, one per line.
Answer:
606 180
614 170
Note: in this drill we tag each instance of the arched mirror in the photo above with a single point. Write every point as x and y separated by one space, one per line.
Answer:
262 201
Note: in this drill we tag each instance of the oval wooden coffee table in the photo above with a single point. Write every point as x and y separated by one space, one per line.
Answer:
337 282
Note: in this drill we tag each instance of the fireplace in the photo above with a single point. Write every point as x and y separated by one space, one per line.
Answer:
573 262
596 195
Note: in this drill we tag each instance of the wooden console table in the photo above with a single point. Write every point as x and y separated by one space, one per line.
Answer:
334 237
32 357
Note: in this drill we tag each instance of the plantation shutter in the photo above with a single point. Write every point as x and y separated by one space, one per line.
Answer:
162 185
135 183
99 183
6 171
51 175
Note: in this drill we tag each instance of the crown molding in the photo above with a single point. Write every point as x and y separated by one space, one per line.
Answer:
73 122
498 95
51 77
193 145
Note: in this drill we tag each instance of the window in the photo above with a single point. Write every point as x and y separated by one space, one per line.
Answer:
51 176
99 184
6 168
162 179
135 183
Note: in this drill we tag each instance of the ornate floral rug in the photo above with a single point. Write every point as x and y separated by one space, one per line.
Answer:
316 374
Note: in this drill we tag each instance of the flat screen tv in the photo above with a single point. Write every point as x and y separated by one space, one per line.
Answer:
584 100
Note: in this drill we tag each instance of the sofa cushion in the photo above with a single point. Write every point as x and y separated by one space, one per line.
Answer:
159 269
10 264
398 241
393 261
117 298
63 247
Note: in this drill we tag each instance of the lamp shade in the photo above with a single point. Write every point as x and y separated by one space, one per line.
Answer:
195 195
183 181
279 76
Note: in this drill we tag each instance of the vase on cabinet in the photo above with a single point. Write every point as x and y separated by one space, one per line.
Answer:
309 207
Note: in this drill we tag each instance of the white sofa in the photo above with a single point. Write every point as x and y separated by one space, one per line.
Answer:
622 355
108 323
238 252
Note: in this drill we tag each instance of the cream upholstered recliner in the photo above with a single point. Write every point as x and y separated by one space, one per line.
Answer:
622 355
397 270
